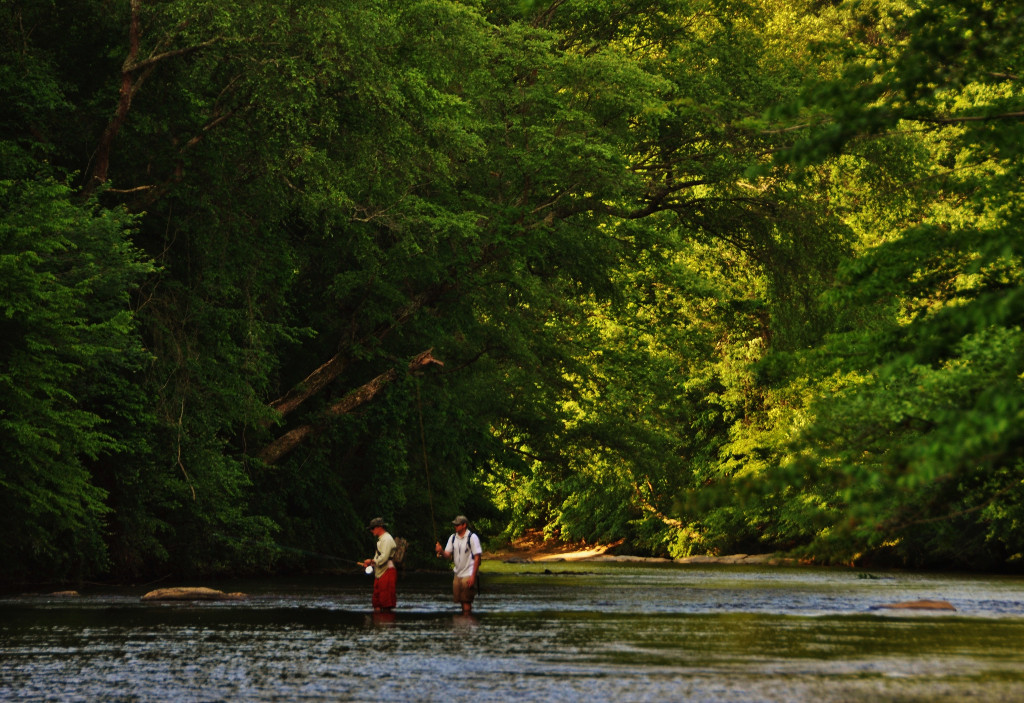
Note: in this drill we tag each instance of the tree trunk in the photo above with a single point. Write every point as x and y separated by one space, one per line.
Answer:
284 444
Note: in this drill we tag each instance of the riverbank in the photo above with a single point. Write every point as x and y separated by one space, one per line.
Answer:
533 547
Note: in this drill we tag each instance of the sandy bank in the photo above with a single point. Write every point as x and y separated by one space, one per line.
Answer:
534 548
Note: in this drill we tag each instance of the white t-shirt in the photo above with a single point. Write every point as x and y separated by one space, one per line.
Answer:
463 550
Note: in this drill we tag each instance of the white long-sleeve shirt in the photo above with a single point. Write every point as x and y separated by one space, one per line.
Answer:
382 559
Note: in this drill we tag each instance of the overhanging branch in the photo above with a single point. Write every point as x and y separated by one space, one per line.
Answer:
284 444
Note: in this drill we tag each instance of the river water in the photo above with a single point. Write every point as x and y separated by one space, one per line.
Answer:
549 632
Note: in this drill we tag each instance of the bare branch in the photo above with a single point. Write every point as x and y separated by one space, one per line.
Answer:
157 58
973 118
783 130
133 73
284 444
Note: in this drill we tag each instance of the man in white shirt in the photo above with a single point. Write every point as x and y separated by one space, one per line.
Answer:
464 549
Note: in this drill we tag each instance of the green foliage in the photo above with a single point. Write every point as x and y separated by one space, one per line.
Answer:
65 273
703 276
909 452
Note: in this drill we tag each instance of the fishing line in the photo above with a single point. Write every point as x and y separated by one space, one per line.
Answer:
426 471
285 548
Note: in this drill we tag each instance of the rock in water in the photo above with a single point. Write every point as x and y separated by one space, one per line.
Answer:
191 593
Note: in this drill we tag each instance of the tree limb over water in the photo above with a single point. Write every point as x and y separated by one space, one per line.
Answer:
284 444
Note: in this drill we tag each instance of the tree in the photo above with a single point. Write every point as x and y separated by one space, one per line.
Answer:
67 337
915 451
726 255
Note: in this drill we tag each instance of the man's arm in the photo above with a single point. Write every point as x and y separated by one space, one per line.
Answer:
476 567
478 552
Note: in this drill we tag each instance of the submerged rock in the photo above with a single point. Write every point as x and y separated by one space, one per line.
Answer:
920 605
191 593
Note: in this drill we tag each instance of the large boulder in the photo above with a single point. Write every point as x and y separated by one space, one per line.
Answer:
191 593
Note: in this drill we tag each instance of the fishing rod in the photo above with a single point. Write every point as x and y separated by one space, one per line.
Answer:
321 555
286 548
426 471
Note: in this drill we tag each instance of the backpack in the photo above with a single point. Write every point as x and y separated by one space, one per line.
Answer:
401 545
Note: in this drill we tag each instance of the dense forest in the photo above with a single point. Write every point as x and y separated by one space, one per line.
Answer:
704 276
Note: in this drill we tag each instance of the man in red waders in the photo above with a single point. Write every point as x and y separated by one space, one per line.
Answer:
384 574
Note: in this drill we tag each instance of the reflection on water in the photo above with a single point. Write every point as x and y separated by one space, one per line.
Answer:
593 631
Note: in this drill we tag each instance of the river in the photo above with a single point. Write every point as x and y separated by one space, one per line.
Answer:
540 632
